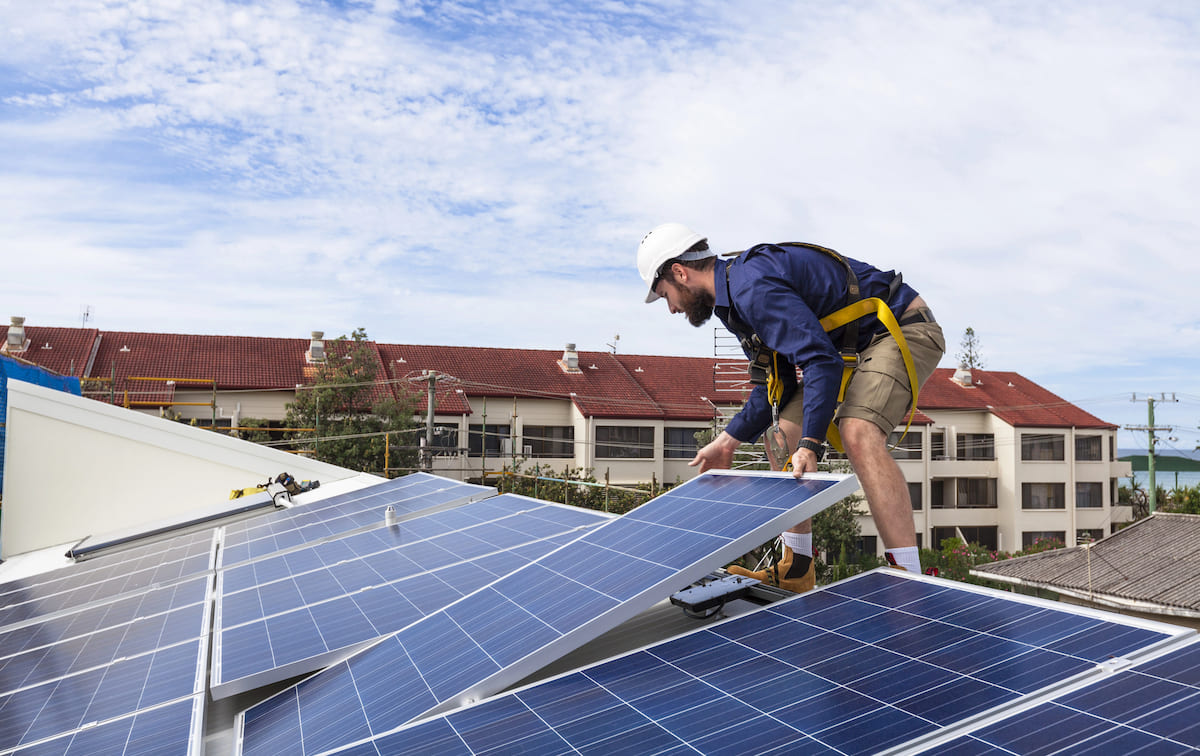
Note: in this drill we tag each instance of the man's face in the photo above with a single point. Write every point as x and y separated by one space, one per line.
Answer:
696 303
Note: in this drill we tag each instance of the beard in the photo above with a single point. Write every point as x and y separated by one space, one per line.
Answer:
697 306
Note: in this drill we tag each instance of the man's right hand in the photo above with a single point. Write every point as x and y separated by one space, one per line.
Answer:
717 454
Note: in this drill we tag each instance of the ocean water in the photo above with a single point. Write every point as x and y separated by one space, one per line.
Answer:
1165 480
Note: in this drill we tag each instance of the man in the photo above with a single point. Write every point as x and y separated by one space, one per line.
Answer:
773 297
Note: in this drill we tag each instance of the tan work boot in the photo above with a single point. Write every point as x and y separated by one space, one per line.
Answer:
774 574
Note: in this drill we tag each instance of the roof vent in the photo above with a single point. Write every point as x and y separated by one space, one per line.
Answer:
962 376
316 347
17 342
570 360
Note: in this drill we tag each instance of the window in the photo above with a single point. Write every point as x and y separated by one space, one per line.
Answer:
445 439
1031 538
984 535
1087 535
937 445
486 438
963 493
865 546
914 494
1043 496
937 495
1089 449
680 443
976 446
1088 495
908 447
976 493
1037 447
549 440
624 442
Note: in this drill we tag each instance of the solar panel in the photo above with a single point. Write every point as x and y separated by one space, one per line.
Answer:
100 648
182 555
113 578
89 619
174 729
500 633
862 666
284 615
337 515
1153 707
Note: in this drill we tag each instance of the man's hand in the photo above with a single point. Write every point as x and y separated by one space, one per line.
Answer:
717 454
803 461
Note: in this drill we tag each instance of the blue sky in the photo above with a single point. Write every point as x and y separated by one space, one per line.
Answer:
480 173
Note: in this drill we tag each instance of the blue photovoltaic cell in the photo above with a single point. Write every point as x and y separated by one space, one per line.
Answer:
163 731
328 518
848 669
627 564
82 653
121 688
1153 707
341 593
185 548
86 582
100 616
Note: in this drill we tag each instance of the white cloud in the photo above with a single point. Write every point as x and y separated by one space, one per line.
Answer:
441 172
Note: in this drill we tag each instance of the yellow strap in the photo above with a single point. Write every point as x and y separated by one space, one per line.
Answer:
861 308
775 396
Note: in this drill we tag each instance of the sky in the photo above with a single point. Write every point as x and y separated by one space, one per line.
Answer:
480 174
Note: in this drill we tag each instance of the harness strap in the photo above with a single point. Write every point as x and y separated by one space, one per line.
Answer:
861 308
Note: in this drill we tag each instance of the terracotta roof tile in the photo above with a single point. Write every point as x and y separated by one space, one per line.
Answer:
1013 398
65 351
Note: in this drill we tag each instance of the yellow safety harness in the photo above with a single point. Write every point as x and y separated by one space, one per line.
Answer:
849 315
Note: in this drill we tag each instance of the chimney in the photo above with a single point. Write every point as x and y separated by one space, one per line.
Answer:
16 335
570 360
316 347
962 376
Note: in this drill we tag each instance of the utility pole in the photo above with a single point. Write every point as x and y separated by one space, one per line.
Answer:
1151 428
432 377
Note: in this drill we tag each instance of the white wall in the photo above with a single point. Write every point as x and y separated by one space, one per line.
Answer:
75 467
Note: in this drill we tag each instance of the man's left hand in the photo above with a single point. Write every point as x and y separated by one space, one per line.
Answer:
803 461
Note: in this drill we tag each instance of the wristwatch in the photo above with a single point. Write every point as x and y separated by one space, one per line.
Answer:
816 447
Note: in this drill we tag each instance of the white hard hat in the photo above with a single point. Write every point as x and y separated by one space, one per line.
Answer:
666 242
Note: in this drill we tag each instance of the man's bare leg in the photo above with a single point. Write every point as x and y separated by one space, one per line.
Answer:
883 483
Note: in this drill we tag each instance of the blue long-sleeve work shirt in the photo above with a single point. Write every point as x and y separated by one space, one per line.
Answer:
781 292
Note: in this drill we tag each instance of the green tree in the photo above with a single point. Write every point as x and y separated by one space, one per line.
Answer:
969 354
351 411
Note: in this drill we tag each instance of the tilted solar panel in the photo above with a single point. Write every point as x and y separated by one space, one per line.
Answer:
107 576
1153 707
862 666
329 518
173 729
284 615
498 634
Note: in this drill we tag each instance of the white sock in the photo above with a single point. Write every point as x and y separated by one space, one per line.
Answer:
908 557
799 543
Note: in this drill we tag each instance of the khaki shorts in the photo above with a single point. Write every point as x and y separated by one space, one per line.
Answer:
878 390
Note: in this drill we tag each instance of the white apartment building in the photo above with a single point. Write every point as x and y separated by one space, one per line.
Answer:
991 457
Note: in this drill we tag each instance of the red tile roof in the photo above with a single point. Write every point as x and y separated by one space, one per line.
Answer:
604 386
607 385
1011 397
65 351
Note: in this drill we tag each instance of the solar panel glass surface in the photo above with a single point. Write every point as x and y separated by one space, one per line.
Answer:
496 635
336 594
328 518
865 665
1153 707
